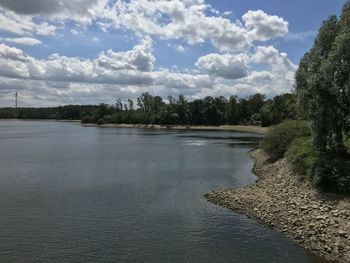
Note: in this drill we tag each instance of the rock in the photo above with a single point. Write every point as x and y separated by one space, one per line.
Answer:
342 233
328 249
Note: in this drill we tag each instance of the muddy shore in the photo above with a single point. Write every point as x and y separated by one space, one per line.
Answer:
281 200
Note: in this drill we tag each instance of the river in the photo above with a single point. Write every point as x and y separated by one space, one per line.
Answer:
84 194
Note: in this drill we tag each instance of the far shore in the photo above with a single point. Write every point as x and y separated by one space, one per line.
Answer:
39 120
237 128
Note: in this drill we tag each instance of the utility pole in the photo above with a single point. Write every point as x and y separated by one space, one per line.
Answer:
16 100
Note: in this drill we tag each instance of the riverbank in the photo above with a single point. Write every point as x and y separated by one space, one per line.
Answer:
52 120
279 199
237 128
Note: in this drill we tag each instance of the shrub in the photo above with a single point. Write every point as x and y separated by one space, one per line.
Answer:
86 119
105 120
301 156
332 174
100 121
279 137
347 145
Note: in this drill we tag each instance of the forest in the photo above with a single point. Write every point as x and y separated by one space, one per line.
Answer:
148 109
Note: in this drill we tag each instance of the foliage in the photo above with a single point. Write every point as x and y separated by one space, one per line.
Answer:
279 137
323 88
176 111
347 144
69 112
332 174
301 156
282 107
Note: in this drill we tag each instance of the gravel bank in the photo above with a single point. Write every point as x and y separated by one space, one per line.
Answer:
279 199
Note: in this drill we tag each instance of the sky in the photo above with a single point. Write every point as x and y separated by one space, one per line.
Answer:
95 51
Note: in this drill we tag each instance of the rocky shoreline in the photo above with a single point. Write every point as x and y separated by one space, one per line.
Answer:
281 200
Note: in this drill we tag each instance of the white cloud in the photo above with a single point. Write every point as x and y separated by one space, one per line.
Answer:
269 55
133 67
23 41
180 49
262 26
224 65
23 25
139 58
187 20
12 54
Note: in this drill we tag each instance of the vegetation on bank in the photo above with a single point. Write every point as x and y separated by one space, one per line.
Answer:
323 91
279 138
253 110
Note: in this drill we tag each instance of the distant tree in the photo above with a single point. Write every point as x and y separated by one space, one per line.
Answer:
119 105
130 105
231 111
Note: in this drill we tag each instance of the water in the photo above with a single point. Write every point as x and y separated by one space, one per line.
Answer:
73 194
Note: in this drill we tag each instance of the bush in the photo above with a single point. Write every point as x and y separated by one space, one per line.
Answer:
347 145
301 156
279 137
86 119
332 174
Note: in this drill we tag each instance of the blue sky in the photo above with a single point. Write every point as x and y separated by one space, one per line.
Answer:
95 51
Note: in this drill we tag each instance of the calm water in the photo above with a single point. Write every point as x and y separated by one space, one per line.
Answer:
73 194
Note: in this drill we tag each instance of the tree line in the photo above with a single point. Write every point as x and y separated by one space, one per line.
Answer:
148 109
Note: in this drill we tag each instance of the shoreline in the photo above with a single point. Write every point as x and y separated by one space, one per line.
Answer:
281 200
51 120
237 128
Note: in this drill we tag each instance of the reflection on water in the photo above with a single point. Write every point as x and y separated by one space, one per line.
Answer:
73 194
196 142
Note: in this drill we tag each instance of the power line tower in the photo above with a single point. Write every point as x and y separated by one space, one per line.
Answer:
16 100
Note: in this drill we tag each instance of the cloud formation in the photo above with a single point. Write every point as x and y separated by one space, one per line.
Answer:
227 66
23 25
166 19
23 40
188 20
235 65
139 58
262 26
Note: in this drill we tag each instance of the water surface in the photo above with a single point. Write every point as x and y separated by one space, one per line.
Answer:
73 194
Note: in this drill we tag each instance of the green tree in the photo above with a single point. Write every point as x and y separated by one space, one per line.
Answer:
322 85
231 111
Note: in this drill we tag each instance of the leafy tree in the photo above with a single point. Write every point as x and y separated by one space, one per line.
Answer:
323 88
